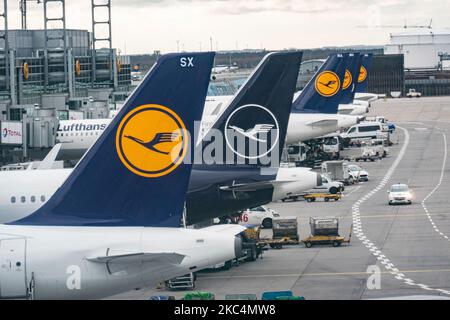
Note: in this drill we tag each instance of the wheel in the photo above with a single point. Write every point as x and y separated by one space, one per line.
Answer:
267 223
308 244
253 255
334 190
336 244
390 203
336 199
327 200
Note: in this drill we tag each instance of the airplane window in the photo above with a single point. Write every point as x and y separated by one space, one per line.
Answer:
13 199
42 198
33 199
22 199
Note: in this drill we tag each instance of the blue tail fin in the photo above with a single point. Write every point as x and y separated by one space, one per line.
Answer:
323 92
134 175
254 124
366 69
351 77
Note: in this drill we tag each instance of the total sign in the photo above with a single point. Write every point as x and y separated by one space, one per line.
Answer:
11 132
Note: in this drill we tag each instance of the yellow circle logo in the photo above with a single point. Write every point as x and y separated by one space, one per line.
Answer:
119 65
78 68
362 74
151 141
347 80
26 71
328 84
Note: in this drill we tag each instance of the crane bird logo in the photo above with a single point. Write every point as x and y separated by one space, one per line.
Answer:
362 74
161 137
258 125
348 79
254 132
151 141
328 84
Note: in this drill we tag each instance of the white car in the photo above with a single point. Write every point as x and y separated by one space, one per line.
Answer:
357 173
262 216
330 186
400 194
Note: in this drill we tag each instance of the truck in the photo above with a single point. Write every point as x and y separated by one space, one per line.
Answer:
296 153
332 147
337 171
329 186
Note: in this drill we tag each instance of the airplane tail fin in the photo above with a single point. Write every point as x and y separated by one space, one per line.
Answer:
254 124
366 69
323 92
135 174
351 77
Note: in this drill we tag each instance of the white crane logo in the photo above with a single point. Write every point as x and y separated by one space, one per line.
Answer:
254 132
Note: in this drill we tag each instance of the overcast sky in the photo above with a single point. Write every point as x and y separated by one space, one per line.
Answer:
142 26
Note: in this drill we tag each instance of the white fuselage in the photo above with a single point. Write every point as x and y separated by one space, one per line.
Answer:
79 267
76 136
24 192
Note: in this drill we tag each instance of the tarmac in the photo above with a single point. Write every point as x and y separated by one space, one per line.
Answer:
408 245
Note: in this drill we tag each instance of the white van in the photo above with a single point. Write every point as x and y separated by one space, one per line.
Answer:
372 130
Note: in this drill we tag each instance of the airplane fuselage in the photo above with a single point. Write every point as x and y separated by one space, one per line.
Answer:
89 263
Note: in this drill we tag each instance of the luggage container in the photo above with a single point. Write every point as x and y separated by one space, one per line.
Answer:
328 226
285 228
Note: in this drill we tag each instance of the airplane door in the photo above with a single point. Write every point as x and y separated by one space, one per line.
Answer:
12 269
